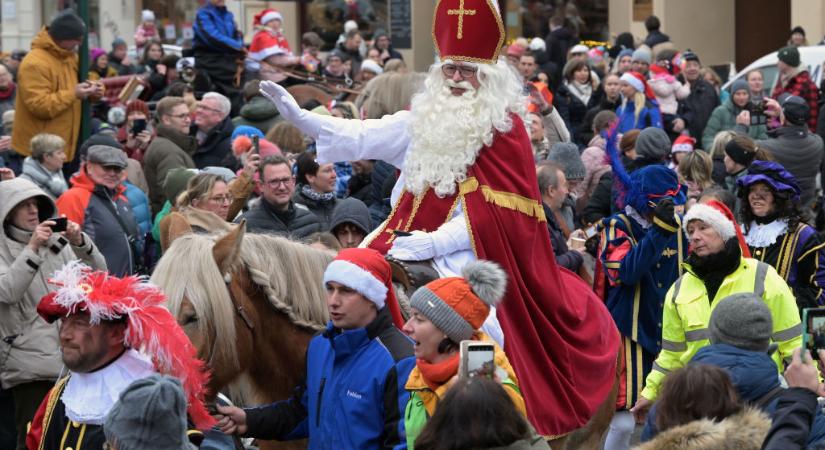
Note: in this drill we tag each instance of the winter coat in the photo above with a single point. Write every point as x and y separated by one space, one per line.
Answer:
424 401
569 259
140 208
46 102
668 90
595 165
216 149
215 30
723 118
353 396
85 204
170 149
258 112
29 346
742 431
655 38
296 223
649 116
698 106
802 153
321 208
792 421
52 183
687 311
803 86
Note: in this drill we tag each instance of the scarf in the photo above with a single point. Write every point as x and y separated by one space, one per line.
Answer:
580 91
307 191
18 234
436 374
8 91
712 269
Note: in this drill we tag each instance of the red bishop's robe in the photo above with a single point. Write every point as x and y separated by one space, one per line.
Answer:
558 334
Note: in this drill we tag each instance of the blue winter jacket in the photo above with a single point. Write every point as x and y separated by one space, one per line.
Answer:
755 377
649 116
215 29
140 208
353 396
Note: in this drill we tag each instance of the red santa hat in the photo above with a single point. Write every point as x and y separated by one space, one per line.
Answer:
683 144
266 16
720 218
150 328
639 83
367 272
468 30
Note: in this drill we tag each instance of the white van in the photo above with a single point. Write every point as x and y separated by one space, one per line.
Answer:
812 57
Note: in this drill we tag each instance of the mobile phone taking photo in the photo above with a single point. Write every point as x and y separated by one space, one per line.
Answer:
60 224
813 330
476 358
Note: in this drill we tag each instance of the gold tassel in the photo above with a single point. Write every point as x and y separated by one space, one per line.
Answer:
507 200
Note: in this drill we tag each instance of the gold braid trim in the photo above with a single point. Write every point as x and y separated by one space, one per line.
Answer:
507 200
54 396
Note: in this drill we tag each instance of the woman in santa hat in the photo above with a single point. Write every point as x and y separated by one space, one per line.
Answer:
444 313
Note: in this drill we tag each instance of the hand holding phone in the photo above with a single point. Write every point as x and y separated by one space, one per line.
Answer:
138 125
60 224
476 358
813 330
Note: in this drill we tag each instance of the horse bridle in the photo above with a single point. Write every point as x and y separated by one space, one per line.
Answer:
239 309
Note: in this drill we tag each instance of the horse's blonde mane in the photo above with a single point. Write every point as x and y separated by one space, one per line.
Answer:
289 273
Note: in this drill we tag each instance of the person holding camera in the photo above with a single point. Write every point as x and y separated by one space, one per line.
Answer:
737 109
33 244
444 313
136 134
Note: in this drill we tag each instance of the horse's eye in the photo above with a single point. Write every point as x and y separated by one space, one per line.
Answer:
190 320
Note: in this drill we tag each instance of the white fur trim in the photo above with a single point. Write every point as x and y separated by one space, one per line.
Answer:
633 81
355 277
712 217
272 15
680 148
372 66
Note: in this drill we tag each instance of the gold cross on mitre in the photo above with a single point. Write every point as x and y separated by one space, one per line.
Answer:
461 12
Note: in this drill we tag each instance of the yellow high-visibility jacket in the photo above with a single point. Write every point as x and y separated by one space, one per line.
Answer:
687 313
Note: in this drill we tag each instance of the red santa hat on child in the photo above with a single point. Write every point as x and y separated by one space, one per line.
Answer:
368 273
468 30
683 144
150 328
266 16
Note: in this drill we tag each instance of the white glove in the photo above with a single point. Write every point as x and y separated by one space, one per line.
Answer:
309 123
418 247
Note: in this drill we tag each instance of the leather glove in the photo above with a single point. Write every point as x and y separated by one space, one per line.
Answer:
664 217
418 247
309 123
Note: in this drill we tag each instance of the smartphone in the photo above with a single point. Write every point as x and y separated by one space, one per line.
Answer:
813 330
60 224
476 357
590 231
137 126
256 145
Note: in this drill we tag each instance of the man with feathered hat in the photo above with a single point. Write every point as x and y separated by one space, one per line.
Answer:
112 332
467 190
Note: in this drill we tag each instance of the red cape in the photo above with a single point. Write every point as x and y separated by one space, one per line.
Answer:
558 334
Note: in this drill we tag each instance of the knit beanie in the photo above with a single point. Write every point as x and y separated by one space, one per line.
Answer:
739 85
683 144
118 42
738 153
67 25
566 154
246 130
137 106
365 271
711 216
150 413
176 181
653 144
625 52
789 55
458 306
742 320
641 55
147 15
96 53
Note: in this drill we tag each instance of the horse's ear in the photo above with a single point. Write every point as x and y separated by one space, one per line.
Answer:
228 248
173 226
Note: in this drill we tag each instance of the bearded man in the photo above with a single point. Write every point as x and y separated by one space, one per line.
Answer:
468 190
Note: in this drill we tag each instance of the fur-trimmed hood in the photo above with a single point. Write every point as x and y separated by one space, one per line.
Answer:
743 431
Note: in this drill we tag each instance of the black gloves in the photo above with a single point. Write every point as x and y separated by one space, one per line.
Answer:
664 217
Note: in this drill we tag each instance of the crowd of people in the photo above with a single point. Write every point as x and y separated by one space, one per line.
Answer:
695 215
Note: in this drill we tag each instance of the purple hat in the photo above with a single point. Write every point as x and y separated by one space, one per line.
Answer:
771 173
97 53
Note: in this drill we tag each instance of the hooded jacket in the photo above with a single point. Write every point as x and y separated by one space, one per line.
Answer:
258 112
84 204
28 345
170 149
46 101
354 211
52 183
742 431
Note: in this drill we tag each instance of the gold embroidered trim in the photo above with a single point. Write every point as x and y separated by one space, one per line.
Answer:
515 202
467 223
416 204
54 396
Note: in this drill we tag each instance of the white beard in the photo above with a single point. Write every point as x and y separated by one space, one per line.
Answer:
447 131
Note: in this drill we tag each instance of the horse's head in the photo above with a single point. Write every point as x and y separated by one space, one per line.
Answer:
206 286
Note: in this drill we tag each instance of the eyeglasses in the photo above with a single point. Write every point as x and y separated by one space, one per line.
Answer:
220 199
202 106
465 71
180 116
281 181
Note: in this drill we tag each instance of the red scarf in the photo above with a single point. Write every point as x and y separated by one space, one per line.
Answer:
436 374
8 92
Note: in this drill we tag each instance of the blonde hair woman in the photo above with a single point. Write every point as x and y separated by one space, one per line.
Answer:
205 204
695 170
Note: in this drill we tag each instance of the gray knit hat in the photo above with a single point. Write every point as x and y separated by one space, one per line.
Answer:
459 305
653 144
739 85
742 320
150 413
641 54
567 155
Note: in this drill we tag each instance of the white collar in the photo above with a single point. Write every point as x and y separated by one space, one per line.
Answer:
88 397
637 217
764 235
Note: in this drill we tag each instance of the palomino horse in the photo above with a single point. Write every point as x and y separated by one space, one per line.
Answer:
251 303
